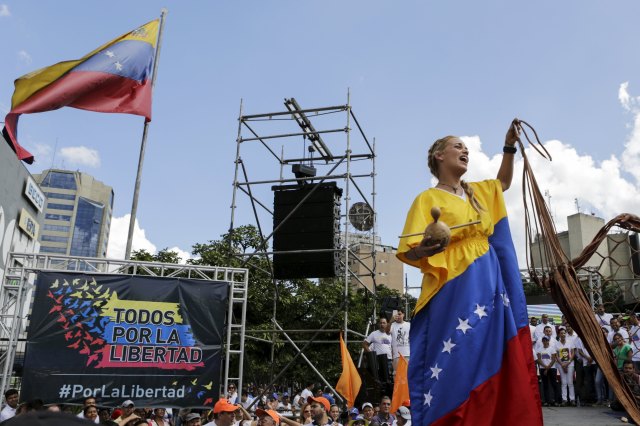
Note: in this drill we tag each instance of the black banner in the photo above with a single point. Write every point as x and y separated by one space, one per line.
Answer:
156 341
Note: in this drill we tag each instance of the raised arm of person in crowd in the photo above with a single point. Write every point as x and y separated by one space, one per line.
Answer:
245 413
288 421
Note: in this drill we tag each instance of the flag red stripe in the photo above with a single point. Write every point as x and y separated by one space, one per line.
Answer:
510 397
93 91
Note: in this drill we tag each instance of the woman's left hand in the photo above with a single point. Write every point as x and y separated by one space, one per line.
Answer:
513 134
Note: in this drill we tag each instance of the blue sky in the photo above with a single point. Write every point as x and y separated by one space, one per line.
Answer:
417 70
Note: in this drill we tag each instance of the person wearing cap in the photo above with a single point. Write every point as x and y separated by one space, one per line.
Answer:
284 407
320 410
353 413
223 413
548 333
328 394
127 413
403 416
546 360
267 417
368 411
193 419
358 421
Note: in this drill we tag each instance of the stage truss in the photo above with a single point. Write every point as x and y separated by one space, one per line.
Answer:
17 287
323 138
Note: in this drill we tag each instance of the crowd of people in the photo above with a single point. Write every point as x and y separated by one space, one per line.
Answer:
568 374
309 406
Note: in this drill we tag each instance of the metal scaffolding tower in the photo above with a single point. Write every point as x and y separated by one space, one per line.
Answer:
331 141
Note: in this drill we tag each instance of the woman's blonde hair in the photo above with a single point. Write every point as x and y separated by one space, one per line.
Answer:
439 146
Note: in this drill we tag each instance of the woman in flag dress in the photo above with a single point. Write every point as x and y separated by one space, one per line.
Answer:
471 355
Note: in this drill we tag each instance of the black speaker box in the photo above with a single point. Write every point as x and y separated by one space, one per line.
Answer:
313 225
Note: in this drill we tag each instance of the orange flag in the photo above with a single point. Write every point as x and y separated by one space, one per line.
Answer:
349 383
400 386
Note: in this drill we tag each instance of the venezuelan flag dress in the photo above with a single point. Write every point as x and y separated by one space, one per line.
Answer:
471 355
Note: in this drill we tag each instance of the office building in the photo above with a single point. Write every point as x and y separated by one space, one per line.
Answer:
389 271
77 215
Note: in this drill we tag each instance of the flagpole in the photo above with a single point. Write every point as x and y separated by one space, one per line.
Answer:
143 144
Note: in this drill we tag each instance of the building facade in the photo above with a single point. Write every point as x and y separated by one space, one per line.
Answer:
389 271
77 214
21 207
616 262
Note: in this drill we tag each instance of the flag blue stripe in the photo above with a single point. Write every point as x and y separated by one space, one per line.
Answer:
128 58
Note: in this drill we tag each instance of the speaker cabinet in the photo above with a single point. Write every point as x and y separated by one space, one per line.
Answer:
314 225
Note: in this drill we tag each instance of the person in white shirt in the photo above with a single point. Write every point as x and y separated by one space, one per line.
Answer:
566 353
549 335
88 402
603 318
634 339
586 389
307 392
232 394
380 341
11 398
400 338
284 406
544 322
403 416
615 328
546 358
571 334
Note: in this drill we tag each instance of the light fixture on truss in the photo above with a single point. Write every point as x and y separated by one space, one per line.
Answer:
308 129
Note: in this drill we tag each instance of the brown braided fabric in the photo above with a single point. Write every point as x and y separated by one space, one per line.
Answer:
558 274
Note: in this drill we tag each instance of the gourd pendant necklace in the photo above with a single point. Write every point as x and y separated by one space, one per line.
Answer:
455 188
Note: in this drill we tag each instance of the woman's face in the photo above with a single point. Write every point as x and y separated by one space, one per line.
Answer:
91 413
618 340
454 157
335 412
306 411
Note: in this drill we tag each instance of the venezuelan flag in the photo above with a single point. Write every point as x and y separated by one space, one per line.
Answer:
112 78
471 356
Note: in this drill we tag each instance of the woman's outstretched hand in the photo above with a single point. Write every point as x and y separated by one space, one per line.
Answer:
513 134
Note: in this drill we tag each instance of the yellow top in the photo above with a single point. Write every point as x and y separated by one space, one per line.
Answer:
467 243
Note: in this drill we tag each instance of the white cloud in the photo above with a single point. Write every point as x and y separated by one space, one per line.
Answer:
24 57
631 154
118 238
4 10
623 95
184 255
81 155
